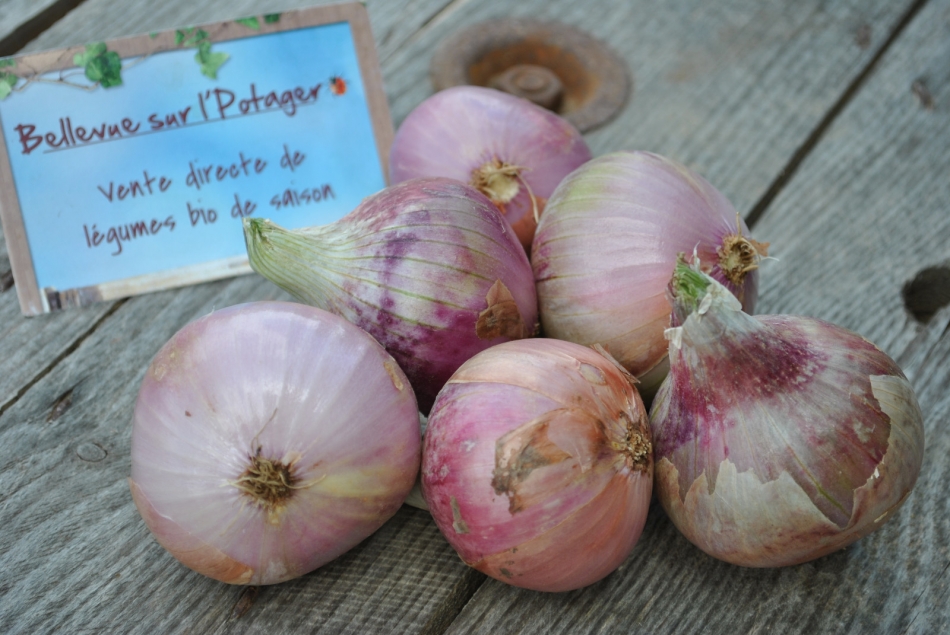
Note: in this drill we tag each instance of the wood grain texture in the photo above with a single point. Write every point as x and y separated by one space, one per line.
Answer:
76 554
23 20
732 88
73 541
866 211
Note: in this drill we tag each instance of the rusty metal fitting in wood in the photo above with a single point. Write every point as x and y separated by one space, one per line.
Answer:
552 64
535 83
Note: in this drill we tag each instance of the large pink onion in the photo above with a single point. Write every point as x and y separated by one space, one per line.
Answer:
428 267
513 151
268 439
537 464
778 438
607 244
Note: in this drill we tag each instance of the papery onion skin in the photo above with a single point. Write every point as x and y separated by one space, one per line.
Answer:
460 130
780 439
607 244
537 465
283 383
428 267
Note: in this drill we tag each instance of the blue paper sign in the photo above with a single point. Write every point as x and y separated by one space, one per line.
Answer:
134 172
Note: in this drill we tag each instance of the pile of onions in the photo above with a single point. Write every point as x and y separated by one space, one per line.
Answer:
778 439
428 267
607 244
270 438
537 464
511 150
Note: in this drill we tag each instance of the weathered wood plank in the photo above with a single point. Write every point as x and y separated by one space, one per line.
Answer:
866 211
86 552
392 22
76 556
731 89
84 530
22 20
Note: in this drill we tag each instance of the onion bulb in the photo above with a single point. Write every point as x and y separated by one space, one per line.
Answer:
608 241
778 439
537 464
428 267
511 150
268 439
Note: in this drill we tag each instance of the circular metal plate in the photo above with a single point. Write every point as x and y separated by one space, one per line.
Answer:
595 81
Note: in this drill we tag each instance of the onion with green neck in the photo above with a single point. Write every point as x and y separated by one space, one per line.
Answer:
428 267
607 244
778 439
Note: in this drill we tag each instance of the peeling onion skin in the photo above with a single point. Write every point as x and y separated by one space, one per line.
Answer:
458 130
428 267
285 383
607 244
780 439
537 465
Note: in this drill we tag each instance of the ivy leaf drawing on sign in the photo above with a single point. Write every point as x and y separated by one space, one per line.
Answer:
102 65
251 23
271 18
210 62
7 80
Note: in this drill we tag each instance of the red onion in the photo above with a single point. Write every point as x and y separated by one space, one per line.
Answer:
268 439
608 242
537 465
427 267
778 439
513 151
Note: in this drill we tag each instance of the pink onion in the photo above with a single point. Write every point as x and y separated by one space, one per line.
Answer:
427 267
268 439
537 465
607 244
778 439
513 151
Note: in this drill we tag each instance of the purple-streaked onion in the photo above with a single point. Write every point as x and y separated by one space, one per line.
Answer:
607 244
428 267
778 439
537 464
513 151
269 438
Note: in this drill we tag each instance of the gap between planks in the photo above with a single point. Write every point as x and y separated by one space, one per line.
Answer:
468 586
29 30
59 358
783 177
798 157
471 581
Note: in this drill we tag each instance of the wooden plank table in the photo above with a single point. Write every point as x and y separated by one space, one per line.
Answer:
827 123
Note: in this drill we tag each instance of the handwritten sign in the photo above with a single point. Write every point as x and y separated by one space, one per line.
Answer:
129 164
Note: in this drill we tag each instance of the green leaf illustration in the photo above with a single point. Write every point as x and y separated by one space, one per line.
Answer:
251 23
190 37
271 18
210 62
7 82
102 65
